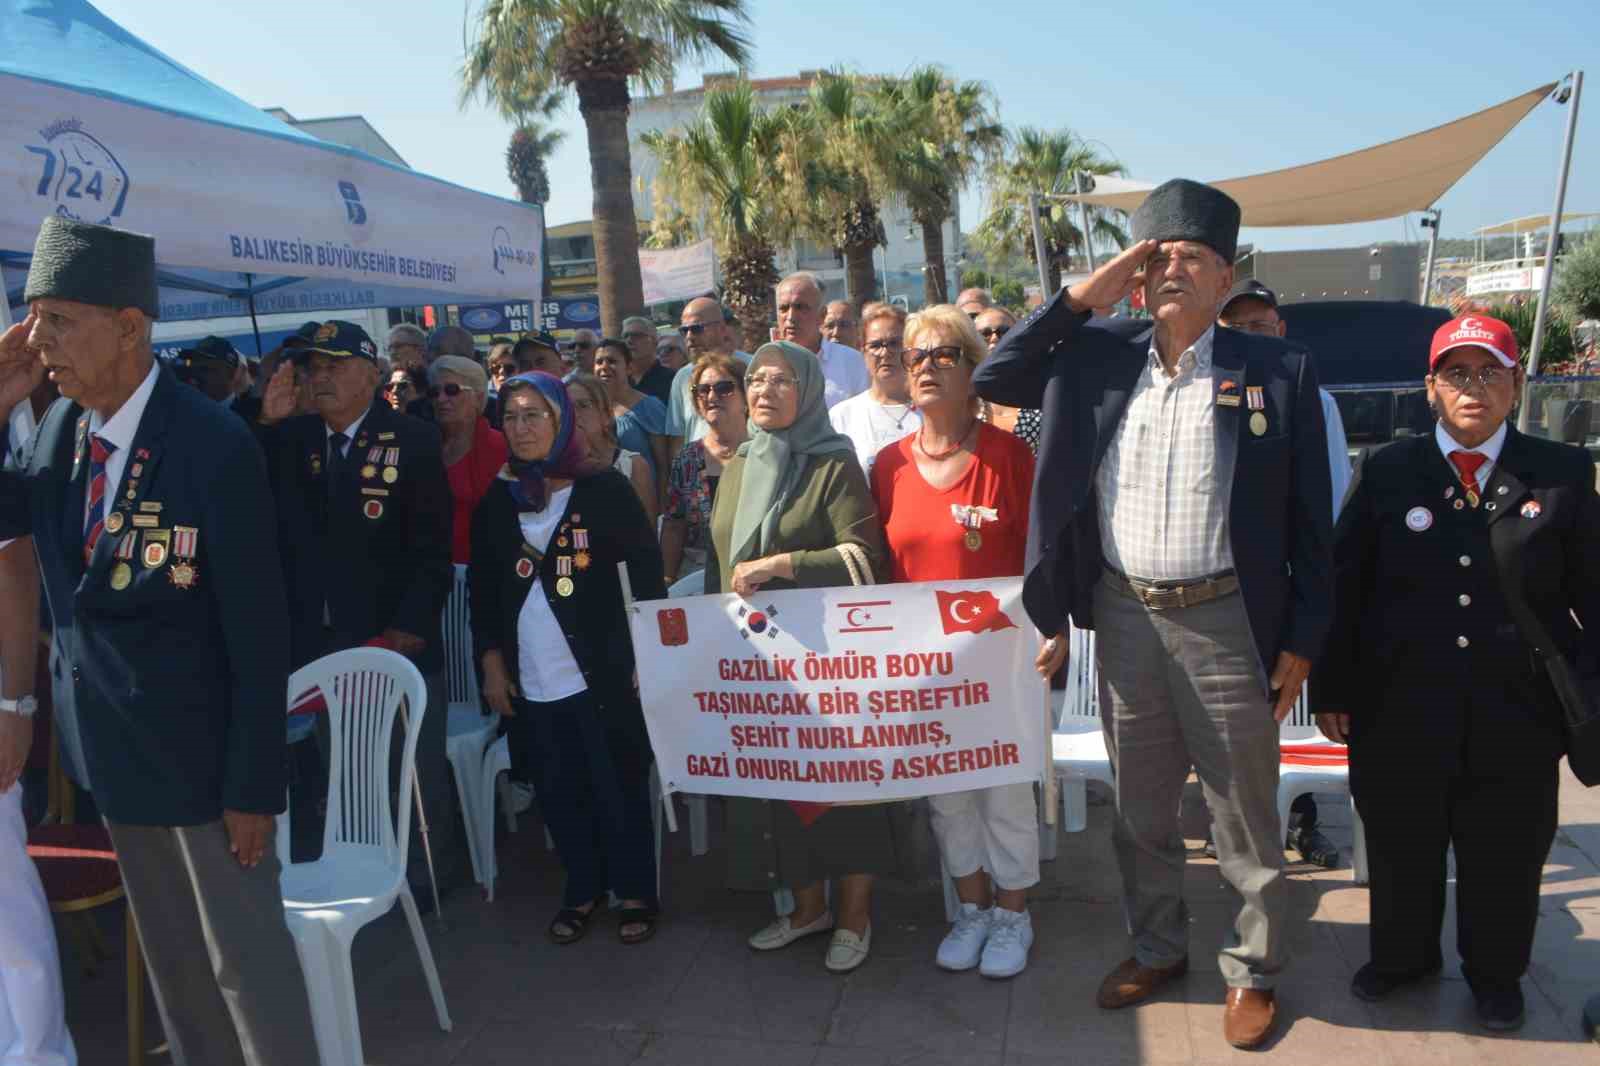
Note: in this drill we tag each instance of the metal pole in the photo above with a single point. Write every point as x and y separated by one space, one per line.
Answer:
250 290
1088 234
1433 247
1550 249
1039 248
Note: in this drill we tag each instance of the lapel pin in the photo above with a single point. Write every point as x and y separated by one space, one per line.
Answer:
1531 509
1418 519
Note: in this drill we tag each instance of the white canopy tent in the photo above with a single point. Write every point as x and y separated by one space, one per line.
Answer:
249 214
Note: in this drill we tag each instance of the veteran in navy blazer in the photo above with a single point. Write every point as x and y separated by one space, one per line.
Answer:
1181 509
149 509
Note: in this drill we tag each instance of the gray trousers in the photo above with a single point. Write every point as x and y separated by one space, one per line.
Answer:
1181 688
221 961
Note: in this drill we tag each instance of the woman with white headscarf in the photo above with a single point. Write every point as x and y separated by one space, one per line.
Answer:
793 511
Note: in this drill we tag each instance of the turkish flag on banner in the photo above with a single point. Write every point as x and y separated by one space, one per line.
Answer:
971 612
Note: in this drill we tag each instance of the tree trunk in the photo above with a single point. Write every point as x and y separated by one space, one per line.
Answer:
604 106
748 277
860 274
935 282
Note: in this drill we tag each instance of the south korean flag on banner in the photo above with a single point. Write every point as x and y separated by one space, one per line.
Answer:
754 621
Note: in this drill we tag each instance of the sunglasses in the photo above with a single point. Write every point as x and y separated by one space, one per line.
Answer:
451 389
724 389
994 332
693 329
397 386
943 358
502 368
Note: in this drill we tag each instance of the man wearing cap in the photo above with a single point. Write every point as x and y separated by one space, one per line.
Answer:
153 524
212 366
1251 307
1459 555
1182 512
364 512
538 351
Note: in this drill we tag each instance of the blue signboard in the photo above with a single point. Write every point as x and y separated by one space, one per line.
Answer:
570 312
496 318
244 343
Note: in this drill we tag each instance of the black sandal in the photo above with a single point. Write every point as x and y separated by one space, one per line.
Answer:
645 916
575 922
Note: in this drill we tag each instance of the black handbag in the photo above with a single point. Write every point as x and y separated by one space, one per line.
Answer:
1579 696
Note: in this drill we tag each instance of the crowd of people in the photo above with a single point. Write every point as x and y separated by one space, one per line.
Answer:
1169 482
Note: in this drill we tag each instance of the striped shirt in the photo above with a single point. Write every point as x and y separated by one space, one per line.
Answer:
1163 514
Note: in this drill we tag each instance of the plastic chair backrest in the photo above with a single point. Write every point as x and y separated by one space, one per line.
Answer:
1301 723
1083 677
461 678
364 689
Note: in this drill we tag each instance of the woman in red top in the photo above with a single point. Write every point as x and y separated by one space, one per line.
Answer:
474 451
953 499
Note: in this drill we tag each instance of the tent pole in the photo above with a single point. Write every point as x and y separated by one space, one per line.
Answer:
250 284
1039 249
1433 248
1550 248
1088 234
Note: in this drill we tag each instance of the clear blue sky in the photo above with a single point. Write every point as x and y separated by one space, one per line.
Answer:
1171 88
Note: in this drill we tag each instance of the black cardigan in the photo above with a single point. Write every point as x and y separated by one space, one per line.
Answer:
592 616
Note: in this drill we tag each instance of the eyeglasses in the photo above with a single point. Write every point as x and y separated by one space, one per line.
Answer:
526 418
994 333
943 358
636 335
583 405
885 344
452 389
397 386
775 382
723 389
1462 378
501 369
694 329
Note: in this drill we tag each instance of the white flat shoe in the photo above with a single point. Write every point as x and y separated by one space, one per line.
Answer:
782 933
846 951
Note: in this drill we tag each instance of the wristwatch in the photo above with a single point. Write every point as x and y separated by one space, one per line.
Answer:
24 706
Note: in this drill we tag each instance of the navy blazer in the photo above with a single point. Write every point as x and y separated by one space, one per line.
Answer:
1080 373
180 690
374 548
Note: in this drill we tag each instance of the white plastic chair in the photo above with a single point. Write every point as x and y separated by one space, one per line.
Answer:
1297 778
1078 746
362 870
469 732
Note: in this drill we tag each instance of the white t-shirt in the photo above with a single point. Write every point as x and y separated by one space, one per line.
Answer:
845 372
545 665
872 426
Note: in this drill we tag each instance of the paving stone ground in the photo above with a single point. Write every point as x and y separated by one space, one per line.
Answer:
696 995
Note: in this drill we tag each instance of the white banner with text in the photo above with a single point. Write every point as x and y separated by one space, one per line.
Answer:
837 695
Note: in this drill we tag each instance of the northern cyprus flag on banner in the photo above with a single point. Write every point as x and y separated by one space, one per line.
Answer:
880 692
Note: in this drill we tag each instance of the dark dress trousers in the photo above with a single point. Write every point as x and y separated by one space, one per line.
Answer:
588 756
176 668
1080 372
1455 729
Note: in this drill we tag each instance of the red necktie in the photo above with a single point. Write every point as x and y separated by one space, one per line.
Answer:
95 521
1467 464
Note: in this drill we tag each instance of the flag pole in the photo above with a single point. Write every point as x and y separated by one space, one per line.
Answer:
1562 96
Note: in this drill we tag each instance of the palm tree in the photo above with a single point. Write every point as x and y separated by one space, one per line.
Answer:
741 174
946 132
854 145
520 48
1045 162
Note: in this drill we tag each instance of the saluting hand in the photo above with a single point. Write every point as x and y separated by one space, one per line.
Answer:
247 835
1113 281
20 368
279 400
1287 676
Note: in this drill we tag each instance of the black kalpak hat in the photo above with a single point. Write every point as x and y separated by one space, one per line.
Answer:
1249 287
90 264
341 340
1184 210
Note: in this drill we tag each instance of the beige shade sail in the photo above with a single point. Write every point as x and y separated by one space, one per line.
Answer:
1409 174
1532 223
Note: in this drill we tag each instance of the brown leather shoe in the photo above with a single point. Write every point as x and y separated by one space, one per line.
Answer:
1248 1015
1133 982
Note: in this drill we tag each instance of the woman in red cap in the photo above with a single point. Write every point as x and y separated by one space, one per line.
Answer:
1461 558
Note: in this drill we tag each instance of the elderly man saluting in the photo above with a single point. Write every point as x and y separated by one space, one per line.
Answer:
1182 510
149 509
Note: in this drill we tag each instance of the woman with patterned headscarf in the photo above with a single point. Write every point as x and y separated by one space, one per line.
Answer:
793 511
549 628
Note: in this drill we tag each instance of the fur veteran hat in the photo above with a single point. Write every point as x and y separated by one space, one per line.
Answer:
91 264
1184 210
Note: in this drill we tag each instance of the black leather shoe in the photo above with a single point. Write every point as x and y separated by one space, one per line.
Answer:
1315 848
1373 984
1500 1007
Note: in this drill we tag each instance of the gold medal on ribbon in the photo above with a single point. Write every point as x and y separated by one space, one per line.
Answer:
114 522
183 575
581 559
564 587
973 540
369 471
390 475
1258 423
121 576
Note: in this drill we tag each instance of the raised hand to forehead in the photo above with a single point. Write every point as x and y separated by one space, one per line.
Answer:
20 368
1114 280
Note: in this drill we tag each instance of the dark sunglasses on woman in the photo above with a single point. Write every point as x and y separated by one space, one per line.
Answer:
452 389
943 357
723 389
994 333
397 386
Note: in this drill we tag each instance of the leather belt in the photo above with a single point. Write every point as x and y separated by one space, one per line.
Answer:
1165 595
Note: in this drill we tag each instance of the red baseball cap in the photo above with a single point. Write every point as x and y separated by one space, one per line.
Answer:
1474 331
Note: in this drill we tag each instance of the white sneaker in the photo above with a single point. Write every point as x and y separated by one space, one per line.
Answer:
1010 937
846 951
782 933
962 946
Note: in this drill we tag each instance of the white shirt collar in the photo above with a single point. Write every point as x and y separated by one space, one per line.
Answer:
1489 448
119 430
1200 349
349 431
